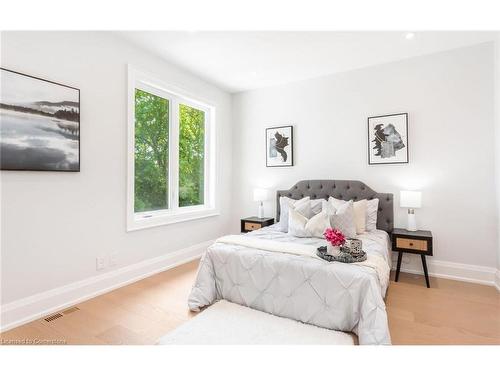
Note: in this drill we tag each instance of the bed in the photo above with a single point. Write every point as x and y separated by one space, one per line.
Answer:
268 270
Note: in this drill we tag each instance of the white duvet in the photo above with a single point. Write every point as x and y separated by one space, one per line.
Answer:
374 260
271 271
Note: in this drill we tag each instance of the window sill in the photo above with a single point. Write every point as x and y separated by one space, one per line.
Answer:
158 219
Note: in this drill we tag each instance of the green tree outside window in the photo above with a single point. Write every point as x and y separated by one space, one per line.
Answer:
191 156
152 153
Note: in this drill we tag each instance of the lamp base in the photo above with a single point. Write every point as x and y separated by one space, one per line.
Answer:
412 221
261 211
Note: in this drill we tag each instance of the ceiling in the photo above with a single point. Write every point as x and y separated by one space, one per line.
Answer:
245 60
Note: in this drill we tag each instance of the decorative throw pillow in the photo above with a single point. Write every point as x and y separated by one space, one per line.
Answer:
342 218
317 205
300 226
303 206
331 207
371 214
359 212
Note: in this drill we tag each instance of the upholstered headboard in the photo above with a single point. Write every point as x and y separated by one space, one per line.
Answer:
342 189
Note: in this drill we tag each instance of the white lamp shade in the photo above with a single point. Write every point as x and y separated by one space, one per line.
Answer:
410 199
260 194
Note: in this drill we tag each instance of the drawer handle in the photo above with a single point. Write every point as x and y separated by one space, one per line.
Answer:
411 243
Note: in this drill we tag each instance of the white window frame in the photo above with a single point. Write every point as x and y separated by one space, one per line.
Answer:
174 213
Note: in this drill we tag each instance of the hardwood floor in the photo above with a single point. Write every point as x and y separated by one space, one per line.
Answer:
451 312
139 313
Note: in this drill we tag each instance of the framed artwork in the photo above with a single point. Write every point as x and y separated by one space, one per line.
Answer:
279 146
40 124
388 139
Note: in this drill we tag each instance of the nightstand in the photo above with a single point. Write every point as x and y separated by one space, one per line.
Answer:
252 223
419 242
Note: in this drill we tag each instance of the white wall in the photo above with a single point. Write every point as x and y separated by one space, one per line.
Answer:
449 97
55 224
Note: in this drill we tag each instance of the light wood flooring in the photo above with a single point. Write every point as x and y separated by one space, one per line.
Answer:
451 312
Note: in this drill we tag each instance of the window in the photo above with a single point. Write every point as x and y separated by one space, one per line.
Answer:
151 152
191 156
171 166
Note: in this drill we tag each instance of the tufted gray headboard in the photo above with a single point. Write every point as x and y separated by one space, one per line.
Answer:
342 189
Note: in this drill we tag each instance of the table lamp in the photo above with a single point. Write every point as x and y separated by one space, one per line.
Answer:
260 195
411 200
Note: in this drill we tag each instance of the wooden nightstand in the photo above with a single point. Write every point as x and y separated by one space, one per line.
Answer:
419 242
252 223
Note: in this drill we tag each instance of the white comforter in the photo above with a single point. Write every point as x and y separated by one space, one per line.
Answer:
375 261
345 297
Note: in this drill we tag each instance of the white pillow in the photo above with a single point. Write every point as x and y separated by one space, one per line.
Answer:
317 205
300 226
341 218
371 214
360 216
303 206
359 212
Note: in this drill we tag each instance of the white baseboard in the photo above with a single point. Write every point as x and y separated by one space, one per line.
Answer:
39 305
450 270
34 307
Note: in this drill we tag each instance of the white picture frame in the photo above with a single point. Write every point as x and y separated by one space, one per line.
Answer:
388 139
279 146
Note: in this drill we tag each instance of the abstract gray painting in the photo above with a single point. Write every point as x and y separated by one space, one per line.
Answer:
388 139
279 146
39 124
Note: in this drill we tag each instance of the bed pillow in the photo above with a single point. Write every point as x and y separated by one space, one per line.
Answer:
303 206
360 215
371 214
300 226
359 212
341 217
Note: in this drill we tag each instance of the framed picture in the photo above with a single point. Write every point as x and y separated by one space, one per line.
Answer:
388 139
40 124
279 146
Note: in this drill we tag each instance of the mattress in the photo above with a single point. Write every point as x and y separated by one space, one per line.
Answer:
333 295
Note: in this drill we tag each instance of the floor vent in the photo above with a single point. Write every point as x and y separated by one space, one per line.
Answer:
53 317
70 310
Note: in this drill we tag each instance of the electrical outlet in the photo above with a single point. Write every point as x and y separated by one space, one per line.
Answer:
100 263
113 259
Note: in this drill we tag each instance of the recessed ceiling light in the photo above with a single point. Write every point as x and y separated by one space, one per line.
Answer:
409 36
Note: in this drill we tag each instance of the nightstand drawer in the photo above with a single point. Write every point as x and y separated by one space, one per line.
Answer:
249 224
252 226
407 243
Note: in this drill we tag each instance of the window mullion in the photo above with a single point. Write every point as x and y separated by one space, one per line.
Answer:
174 155
207 161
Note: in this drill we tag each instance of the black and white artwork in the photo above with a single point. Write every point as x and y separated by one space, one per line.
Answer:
279 146
39 124
388 139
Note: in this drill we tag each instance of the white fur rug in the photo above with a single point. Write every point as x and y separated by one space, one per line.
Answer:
228 323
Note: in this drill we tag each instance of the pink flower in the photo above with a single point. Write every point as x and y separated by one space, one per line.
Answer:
334 236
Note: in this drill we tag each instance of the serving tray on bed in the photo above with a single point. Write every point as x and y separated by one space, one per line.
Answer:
345 256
